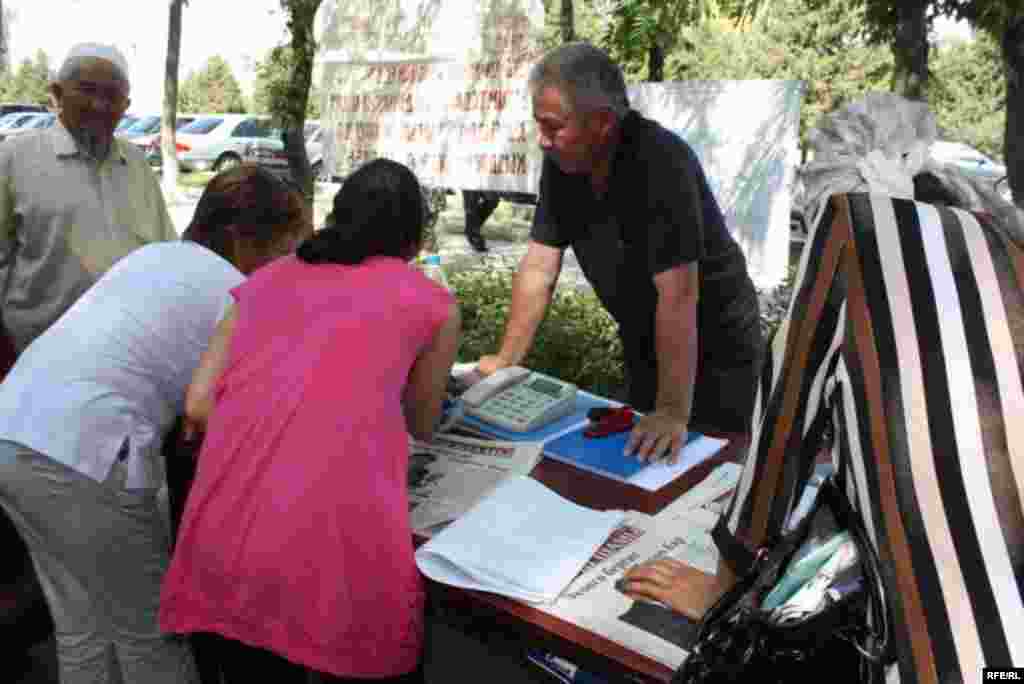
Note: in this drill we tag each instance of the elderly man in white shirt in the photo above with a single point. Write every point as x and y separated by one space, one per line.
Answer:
73 199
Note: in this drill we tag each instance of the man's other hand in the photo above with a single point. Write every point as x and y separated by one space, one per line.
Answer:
658 436
490 364
681 587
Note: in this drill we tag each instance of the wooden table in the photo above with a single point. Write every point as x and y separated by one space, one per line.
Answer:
478 612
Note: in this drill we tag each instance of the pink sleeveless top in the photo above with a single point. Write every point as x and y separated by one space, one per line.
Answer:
296 535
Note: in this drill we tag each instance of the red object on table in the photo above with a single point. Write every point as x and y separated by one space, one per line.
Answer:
610 422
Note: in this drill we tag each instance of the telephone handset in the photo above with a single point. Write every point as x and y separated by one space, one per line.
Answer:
492 384
519 400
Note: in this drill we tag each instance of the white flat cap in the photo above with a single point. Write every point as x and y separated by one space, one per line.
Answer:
82 51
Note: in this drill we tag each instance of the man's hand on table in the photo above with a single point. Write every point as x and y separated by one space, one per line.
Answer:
658 436
682 588
490 364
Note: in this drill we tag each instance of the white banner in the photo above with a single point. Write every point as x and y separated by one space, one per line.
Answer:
452 104
746 136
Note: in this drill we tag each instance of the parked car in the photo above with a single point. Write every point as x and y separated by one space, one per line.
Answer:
972 163
270 153
146 130
141 126
8 108
34 123
15 120
7 119
126 121
215 142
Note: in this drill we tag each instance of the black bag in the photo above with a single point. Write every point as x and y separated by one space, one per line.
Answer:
845 639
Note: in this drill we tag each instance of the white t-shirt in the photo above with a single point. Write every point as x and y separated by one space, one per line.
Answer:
117 364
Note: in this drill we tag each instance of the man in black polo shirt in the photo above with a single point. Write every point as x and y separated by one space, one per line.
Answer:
631 199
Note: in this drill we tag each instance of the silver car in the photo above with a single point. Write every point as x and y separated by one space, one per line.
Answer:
214 142
270 152
973 163
35 122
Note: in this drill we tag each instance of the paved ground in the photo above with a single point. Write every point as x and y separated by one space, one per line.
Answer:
452 658
505 231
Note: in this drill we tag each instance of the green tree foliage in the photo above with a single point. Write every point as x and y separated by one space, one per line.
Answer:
827 48
30 83
1004 21
903 26
967 92
271 89
213 89
643 32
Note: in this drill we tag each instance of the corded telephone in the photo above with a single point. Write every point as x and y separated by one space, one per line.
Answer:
519 400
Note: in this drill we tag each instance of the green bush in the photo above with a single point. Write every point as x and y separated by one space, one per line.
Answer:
775 304
577 342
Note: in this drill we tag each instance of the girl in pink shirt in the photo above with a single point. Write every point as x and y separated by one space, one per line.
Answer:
295 551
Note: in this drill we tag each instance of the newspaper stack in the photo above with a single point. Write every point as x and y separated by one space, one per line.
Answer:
523 541
450 474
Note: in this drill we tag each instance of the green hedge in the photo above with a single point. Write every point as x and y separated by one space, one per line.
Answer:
578 341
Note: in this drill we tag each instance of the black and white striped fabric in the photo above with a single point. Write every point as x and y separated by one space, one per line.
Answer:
906 331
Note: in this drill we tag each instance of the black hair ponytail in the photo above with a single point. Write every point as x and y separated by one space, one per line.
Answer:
328 246
377 212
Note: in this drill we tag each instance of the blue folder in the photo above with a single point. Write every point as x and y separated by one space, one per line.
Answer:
601 455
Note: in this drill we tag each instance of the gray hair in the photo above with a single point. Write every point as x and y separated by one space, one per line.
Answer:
586 77
71 67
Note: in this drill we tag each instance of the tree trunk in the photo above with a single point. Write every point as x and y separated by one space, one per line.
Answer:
1013 150
168 119
910 50
301 14
4 64
656 64
568 22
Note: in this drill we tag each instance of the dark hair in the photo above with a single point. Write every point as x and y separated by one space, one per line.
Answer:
246 203
377 212
930 189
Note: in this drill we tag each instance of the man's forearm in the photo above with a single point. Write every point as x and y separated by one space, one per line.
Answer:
676 348
531 295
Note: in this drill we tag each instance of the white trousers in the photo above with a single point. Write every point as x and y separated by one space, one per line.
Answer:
101 552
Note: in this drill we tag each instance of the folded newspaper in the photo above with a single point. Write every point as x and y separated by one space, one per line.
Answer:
594 602
449 474
523 541
681 531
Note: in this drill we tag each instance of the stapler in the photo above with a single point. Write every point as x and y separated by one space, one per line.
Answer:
609 421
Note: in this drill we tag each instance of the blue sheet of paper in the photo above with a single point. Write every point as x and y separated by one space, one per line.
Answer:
601 455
